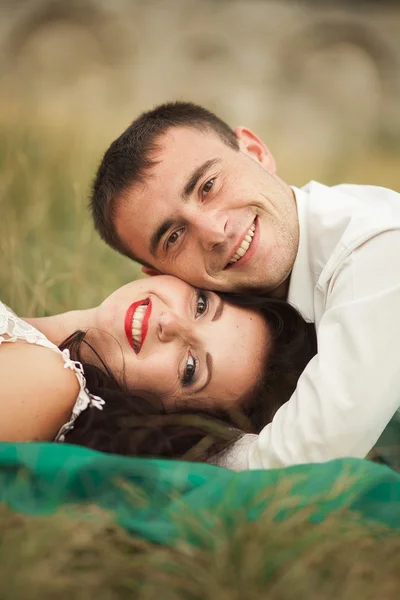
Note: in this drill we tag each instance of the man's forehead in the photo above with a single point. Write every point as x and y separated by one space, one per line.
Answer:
186 145
179 151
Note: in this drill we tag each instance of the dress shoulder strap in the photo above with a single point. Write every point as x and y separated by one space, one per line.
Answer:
13 329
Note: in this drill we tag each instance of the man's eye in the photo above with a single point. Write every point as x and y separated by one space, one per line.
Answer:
207 187
190 370
174 237
201 303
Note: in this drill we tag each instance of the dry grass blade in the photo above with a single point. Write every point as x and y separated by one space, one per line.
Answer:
86 555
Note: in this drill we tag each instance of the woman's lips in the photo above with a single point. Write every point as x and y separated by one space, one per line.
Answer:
130 314
145 323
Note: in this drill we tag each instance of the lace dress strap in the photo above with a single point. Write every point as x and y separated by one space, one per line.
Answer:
13 329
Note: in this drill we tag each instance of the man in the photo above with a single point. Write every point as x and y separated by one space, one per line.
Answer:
182 193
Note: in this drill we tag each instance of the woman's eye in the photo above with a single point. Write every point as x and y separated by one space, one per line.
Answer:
207 187
190 370
201 304
174 237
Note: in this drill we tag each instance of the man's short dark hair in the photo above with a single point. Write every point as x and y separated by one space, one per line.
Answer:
129 156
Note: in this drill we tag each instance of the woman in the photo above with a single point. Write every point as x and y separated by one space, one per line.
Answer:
177 349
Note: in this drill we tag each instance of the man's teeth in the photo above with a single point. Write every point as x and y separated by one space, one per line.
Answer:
244 246
137 322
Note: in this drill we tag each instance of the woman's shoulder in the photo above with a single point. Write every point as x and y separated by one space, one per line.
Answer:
37 392
36 374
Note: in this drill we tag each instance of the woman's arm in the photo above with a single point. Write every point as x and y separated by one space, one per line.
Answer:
37 393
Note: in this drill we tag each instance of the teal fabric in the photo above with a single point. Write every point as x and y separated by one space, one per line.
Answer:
165 501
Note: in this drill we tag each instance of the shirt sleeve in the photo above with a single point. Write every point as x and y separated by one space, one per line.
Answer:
351 389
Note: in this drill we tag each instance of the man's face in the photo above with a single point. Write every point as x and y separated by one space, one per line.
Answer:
218 218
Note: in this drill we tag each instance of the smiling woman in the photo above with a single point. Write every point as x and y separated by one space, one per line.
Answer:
256 354
181 345
153 353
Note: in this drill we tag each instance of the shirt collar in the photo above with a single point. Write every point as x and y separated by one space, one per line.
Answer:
301 285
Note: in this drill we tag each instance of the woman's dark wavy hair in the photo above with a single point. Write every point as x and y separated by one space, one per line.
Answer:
135 426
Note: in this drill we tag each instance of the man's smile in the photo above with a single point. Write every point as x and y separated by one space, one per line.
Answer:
243 246
245 249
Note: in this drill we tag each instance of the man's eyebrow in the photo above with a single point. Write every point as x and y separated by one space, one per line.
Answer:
209 363
187 190
218 310
158 235
196 175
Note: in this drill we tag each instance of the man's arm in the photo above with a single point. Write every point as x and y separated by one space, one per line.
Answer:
351 389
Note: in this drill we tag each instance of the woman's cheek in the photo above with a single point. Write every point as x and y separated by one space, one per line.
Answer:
108 316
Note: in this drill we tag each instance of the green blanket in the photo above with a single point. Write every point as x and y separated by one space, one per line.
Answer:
165 501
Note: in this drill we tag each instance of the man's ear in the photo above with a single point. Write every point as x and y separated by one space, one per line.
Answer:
150 271
251 145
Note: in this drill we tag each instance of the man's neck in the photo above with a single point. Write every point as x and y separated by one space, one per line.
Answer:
282 291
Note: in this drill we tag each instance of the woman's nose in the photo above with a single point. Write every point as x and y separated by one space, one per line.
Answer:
171 326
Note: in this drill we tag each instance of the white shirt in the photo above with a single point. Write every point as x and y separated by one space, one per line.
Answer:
346 279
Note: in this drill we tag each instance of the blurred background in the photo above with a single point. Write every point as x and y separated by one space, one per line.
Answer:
319 81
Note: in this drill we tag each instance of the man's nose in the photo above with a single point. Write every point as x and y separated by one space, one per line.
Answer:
211 228
171 326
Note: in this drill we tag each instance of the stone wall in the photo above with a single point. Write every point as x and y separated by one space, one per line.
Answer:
300 72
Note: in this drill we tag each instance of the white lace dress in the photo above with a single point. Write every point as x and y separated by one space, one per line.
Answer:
13 329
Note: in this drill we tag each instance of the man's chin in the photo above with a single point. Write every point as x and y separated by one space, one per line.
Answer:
240 286
277 288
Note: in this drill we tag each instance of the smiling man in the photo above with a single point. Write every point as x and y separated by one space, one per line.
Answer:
212 215
184 194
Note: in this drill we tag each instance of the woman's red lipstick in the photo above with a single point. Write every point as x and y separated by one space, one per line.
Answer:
145 323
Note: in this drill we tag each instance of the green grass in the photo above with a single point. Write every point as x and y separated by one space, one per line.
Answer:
51 258
86 555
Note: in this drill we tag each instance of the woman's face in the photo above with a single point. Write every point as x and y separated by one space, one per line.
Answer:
182 345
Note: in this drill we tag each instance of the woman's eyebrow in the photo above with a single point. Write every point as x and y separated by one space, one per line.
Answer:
218 310
209 360
209 364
